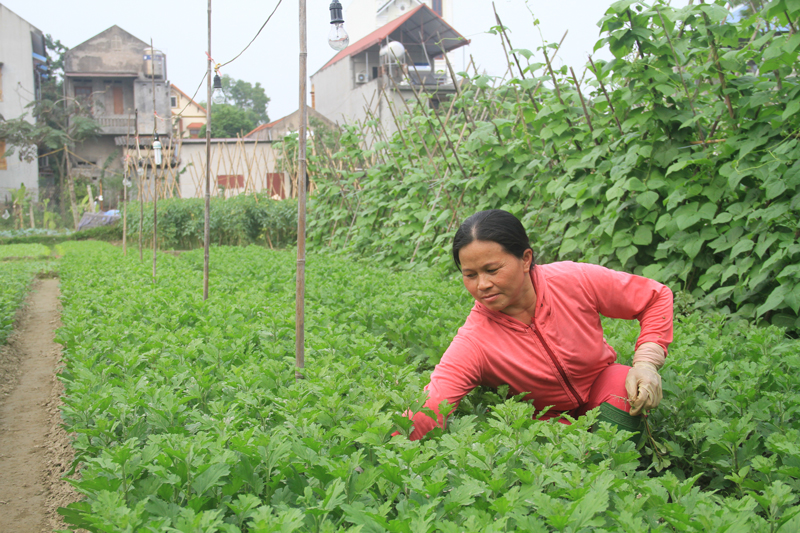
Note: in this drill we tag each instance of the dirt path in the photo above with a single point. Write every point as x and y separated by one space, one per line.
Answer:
34 449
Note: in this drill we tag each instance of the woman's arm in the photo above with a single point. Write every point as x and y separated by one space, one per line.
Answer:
622 295
458 373
626 296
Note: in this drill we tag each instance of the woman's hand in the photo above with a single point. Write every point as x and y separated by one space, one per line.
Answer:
644 387
643 383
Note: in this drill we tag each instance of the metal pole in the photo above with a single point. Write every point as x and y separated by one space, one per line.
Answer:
155 169
301 206
207 214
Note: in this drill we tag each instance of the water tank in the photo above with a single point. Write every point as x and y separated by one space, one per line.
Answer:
393 52
155 64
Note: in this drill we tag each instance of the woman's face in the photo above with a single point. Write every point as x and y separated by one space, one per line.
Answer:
496 278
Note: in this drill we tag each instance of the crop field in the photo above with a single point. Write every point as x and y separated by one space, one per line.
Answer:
28 251
187 416
16 277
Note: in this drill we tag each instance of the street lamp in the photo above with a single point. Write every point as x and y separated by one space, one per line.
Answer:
219 95
337 38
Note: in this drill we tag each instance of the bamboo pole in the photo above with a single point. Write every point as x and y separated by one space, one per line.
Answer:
139 166
558 94
301 206
583 104
608 98
155 170
125 174
71 183
207 207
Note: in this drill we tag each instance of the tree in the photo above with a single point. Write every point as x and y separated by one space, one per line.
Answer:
250 98
228 121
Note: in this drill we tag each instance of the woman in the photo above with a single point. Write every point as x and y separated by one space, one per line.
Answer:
537 329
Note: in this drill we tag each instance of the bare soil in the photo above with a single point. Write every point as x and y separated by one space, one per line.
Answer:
35 450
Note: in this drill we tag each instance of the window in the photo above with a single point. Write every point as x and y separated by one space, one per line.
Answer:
173 101
194 133
83 92
436 7
1 83
3 163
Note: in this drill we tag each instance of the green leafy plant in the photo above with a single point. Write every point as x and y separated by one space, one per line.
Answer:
678 159
187 414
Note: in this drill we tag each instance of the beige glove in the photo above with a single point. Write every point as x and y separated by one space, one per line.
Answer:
643 383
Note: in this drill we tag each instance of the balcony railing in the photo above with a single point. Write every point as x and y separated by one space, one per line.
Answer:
122 124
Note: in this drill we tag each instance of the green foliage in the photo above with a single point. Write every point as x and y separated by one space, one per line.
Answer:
239 220
245 107
228 121
187 414
685 166
17 277
20 236
27 251
250 98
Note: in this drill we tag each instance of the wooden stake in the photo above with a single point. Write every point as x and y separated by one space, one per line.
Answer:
608 98
71 183
301 206
125 174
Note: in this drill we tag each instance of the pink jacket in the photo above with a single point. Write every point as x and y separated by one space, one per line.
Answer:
558 357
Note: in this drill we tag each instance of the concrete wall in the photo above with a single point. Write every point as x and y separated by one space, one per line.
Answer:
16 77
343 101
93 155
250 158
331 86
143 92
113 51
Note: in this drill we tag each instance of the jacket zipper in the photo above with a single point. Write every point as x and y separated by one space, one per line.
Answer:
558 365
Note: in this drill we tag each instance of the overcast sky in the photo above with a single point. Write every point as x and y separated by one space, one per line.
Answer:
179 28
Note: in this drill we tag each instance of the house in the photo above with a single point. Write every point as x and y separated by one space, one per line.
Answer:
188 117
115 74
278 129
386 68
365 16
22 67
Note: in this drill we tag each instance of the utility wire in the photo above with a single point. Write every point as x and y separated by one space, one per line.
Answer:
254 38
191 100
220 65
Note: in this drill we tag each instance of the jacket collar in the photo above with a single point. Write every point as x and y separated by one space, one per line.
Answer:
542 307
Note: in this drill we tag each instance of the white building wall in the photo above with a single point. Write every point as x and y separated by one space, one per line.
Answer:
359 19
251 159
331 87
342 100
16 76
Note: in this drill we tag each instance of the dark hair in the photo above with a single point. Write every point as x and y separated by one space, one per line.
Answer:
494 225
